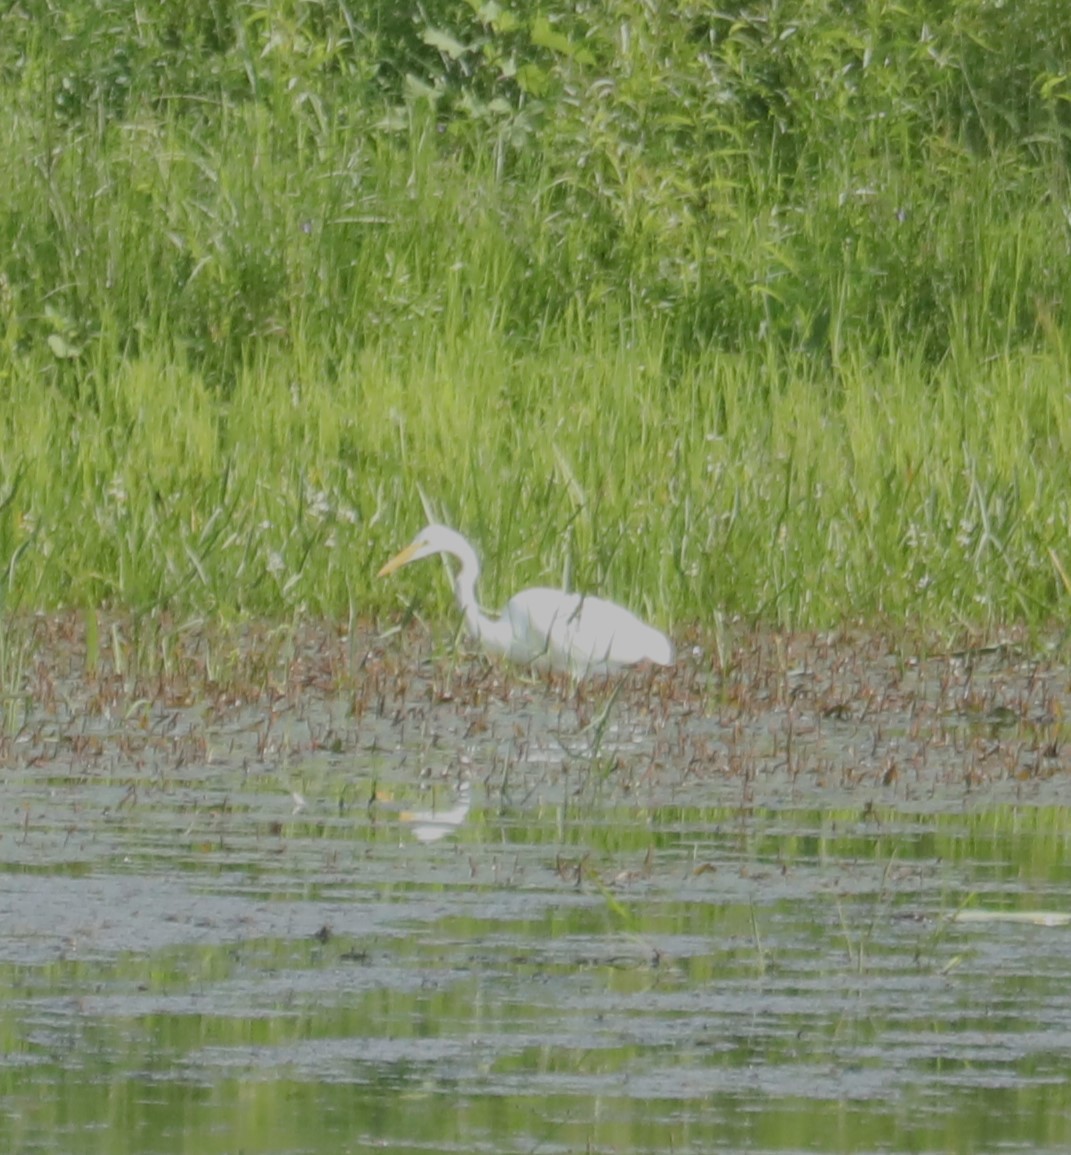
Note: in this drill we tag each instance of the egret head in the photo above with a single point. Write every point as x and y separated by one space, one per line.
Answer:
432 539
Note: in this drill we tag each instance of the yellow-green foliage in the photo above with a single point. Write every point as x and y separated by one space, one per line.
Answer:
746 309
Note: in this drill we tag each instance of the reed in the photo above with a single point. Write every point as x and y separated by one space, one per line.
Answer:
700 314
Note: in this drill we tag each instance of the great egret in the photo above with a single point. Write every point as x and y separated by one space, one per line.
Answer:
545 628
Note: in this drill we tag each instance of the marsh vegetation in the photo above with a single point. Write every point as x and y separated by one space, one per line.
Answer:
760 308
753 319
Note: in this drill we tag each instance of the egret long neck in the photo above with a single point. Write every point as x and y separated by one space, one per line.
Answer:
465 590
493 633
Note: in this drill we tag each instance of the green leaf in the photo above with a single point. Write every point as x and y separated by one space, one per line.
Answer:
533 79
544 36
61 349
417 90
445 43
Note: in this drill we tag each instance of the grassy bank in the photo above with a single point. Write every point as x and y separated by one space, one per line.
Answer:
702 313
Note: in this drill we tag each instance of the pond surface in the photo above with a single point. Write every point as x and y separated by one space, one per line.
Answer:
291 891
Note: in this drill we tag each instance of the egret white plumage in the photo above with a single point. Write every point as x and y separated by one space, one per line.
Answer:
541 627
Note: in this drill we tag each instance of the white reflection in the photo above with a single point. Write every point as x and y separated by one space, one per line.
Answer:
431 825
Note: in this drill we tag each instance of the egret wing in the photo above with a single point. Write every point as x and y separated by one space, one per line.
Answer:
540 619
585 635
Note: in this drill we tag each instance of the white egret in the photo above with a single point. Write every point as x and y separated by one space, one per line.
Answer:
544 628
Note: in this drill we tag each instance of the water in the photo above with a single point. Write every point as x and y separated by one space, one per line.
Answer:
348 896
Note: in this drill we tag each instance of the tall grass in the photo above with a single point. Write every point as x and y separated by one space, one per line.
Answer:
699 312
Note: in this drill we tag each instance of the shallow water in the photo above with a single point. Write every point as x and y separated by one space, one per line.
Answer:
297 892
